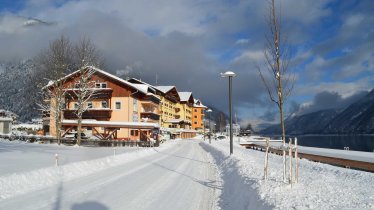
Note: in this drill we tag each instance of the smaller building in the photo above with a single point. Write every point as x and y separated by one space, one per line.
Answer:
198 115
5 125
7 118
235 129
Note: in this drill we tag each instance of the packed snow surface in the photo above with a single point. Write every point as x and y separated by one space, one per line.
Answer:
180 174
177 175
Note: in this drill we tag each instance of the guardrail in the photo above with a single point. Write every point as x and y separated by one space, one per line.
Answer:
84 142
337 161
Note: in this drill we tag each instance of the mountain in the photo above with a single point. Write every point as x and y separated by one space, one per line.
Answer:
311 123
18 91
357 118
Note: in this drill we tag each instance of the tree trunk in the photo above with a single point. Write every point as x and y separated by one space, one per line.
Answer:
290 158
58 130
283 141
79 130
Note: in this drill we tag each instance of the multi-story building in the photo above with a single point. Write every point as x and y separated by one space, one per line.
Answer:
198 115
185 106
169 99
175 109
118 109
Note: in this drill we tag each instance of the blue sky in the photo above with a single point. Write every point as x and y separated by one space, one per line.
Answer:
187 43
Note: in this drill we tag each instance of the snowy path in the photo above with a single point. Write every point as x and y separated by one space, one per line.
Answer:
180 177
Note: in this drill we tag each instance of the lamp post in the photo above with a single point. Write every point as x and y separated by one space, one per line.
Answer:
210 131
230 75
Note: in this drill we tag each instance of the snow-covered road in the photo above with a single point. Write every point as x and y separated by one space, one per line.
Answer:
179 177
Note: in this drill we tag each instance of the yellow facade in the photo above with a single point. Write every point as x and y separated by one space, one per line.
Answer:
185 114
167 111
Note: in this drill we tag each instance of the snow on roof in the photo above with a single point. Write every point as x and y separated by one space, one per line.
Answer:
5 119
198 104
141 87
115 124
184 96
106 74
144 83
165 89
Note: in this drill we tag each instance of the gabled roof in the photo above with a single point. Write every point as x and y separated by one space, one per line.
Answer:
160 90
137 81
139 88
198 104
165 89
144 88
186 96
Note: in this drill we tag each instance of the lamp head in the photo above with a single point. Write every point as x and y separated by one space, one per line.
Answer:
228 74
209 110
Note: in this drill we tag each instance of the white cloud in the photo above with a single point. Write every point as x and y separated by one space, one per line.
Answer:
250 55
242 41
353 20
345 89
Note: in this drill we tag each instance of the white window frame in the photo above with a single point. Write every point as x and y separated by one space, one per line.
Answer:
120 105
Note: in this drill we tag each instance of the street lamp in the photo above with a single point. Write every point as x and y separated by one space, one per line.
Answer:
210 132
230 75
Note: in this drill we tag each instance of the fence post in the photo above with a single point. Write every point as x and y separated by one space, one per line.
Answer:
56 159
266 159
290 157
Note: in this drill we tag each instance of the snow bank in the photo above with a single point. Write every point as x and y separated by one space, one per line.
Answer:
321 186
20 183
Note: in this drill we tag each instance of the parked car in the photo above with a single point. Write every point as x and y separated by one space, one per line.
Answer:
220 137
74 135
83 136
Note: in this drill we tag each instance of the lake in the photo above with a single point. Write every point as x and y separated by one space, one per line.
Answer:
354 142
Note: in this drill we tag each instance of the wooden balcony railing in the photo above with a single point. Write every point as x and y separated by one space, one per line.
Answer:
100 93
152 116
101 114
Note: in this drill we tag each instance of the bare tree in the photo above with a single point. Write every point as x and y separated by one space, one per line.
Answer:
83 91
86 54
278 82
87 58
54 64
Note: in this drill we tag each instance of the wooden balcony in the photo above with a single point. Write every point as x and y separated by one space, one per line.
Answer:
99 93
150 100
150 115
99 114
